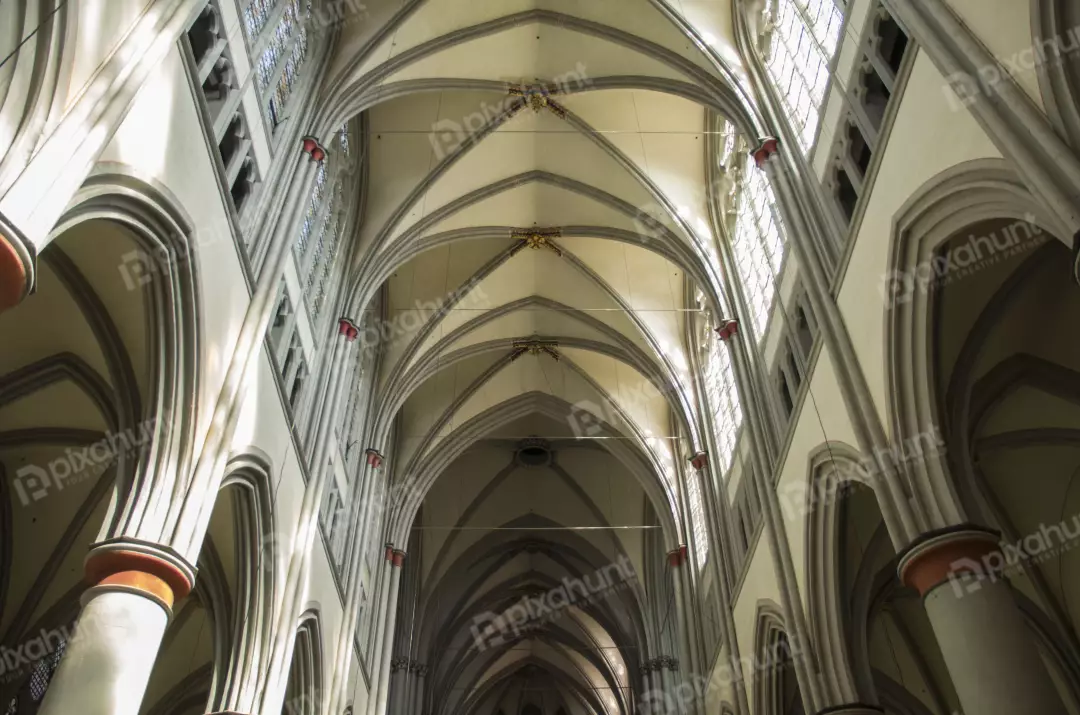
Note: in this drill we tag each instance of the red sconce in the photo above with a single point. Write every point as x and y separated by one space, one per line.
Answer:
374 459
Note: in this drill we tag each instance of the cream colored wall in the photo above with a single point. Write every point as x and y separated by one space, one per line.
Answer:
927 138
160 142
102 25
1005 28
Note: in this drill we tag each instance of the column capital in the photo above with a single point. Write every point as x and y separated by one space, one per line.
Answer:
700 460
313 148
151 570
852 709
727 329
374 458
677 557
939 556
765 151
18 262
347 328
396 557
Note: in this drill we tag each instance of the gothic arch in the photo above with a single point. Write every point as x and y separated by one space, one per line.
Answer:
417 482
959 197
305 686
775 687
1056 30
164 269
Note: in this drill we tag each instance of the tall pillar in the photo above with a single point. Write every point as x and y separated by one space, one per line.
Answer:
988 649
396 557
107 664
399 685
677 560
416 694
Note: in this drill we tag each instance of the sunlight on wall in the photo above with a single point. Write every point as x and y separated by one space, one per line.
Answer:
145 142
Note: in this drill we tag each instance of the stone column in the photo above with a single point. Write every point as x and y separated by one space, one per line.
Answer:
416 694
677 560
852 709
107 664
396 557
987 647
401 685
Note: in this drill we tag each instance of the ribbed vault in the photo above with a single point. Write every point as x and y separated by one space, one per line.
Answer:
535 219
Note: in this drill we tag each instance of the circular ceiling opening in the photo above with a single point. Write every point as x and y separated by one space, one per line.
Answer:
534 452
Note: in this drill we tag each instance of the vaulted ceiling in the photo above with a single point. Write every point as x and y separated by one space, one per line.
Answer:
537 220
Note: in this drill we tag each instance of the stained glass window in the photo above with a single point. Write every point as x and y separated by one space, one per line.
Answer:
758 245
284 88
324 269
805 36
279 43
256 15
697 517
312 211
723 397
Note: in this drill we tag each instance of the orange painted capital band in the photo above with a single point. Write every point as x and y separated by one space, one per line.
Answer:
12 275
939 559
141 581
144 572
398 558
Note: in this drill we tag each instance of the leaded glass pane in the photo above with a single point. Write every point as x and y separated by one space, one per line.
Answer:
287 81
758 245
697 518
723 398
805 36
312 211
256 15
268 61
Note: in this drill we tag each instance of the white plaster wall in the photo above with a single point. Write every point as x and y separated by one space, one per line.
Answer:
927 138
160 142
102 25
1005 28
810 433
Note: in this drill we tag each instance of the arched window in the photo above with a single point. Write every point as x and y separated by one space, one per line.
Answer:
723 397
697 518
798 43
278 37
758 244
312 214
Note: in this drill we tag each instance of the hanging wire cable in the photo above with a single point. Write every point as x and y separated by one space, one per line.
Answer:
47 19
